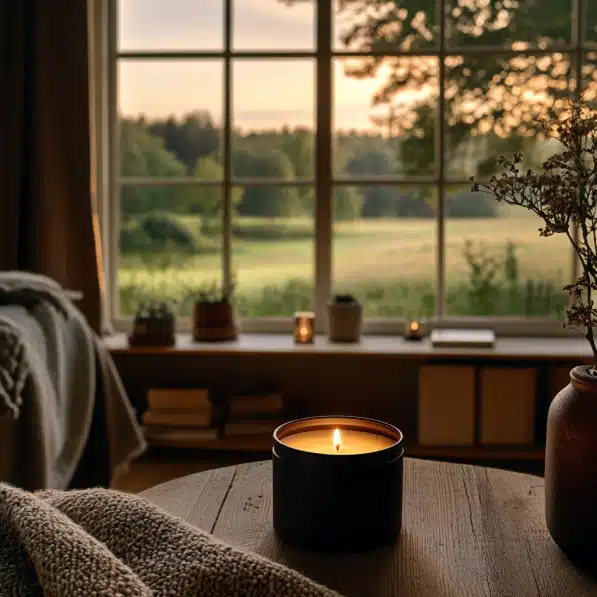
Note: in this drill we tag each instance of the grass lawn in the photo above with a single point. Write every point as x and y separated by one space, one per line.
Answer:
366 250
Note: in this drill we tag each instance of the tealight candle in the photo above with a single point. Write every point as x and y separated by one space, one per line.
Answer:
304 327
337 483
414 330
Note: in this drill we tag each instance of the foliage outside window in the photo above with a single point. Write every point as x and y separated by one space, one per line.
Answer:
218 146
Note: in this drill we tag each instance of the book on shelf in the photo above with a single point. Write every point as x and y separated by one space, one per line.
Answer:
178 418
462 338
171 399
256 427
256 406
179 434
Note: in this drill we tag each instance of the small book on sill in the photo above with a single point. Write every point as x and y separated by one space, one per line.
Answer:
462 338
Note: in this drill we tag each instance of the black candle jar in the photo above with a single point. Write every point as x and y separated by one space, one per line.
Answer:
343 502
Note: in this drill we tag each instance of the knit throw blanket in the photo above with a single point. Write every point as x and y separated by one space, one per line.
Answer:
110 544
14 369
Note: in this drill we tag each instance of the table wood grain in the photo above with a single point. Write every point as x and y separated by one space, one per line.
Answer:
468 531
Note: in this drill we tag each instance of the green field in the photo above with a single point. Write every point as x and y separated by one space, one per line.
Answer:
389 264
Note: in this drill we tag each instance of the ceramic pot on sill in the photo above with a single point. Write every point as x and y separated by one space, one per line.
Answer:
571 468
345 320
213 322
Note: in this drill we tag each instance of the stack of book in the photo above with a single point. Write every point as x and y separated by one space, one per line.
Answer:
253 415
179 412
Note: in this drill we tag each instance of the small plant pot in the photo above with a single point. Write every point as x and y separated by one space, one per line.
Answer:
153 334
345 321
213 322
149 331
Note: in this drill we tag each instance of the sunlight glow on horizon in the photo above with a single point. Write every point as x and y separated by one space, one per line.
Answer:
286 95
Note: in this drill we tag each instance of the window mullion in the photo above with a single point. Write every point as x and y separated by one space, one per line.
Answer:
227 275
323 163
440 148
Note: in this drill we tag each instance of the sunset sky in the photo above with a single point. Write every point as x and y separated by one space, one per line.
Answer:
266 93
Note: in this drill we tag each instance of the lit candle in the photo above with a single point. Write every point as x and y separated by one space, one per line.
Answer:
413 330
304 323
337 483
342 442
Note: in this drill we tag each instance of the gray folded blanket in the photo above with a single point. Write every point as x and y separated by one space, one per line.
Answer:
27 291
110 544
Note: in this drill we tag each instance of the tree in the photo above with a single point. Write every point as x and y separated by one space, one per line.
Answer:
208 201
143 155
267 200
485 92
193 137
299 146
470 205
348 203
378 201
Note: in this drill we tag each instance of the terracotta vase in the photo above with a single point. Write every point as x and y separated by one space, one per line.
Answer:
213 322
571 468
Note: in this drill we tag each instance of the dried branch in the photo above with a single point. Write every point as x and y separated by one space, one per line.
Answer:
563 194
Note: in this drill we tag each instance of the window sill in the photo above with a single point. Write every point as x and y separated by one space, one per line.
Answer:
566 349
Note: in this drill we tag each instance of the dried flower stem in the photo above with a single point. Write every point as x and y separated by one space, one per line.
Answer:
563 193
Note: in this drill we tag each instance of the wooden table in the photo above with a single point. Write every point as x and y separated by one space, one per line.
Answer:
468 531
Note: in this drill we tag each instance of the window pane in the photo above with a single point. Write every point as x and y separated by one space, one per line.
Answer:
273 249
491 105
170 243
591 22
166 25
384 248
496 262
509 24
274 120
384 116
364 26
590 76
170 120
274 25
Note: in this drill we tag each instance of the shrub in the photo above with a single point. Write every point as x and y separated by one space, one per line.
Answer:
132 238
166 232
272 229
471 205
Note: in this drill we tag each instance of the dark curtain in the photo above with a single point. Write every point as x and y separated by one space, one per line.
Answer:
48 221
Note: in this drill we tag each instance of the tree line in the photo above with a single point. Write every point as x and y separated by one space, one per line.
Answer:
191 145
491 102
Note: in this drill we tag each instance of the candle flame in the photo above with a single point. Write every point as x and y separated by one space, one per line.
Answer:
414 326
337 439
304 331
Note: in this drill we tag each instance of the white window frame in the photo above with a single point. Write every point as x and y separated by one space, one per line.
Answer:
106 118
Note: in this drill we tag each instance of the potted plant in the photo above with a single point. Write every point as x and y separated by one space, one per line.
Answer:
563 194
213 314
154 325
345 318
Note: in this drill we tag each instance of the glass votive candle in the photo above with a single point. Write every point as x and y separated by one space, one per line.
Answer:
413 329
304 327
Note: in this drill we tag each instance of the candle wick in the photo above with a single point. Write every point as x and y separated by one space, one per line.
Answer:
337 447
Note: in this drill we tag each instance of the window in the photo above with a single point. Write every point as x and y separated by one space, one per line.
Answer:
295 149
